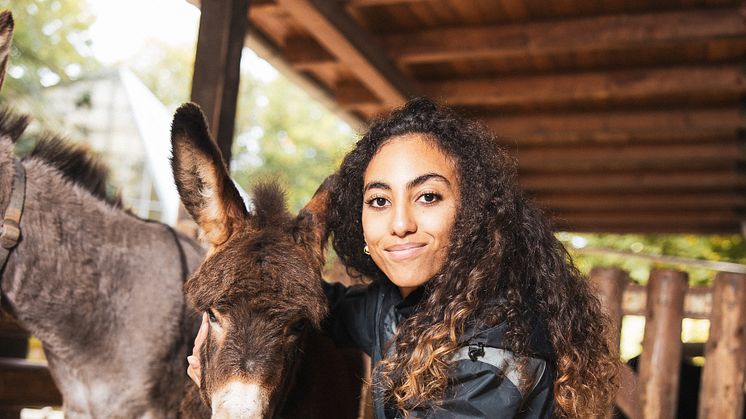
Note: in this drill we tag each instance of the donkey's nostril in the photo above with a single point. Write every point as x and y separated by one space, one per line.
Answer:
239 400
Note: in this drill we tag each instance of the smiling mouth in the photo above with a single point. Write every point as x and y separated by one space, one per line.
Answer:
405 251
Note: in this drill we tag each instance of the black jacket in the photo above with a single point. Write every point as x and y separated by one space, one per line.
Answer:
486 381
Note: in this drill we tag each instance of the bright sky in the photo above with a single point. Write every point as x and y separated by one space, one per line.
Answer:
122 27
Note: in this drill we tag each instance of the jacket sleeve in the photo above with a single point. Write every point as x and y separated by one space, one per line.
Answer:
349 323
497 385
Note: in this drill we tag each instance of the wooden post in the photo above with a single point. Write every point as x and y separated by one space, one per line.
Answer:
721 393
222 30
609 284
660 360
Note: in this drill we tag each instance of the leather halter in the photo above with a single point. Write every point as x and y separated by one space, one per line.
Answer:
10 229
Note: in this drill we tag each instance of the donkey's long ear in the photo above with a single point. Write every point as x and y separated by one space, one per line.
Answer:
202 177
312 218
6 35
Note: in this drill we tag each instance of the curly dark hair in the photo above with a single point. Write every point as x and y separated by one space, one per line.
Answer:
503 264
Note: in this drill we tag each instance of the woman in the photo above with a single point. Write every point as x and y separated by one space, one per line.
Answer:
474 309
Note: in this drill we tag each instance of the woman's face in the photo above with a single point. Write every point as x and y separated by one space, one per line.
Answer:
410 198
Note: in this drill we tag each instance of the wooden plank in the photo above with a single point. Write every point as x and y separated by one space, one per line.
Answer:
222 32
685 156
631 201
660 227
710 84
610 32
719 180
367 3
721 395
306 53
627 398
671 216
661 354
617 125
609 284
341 36
659 136
697 301
27 384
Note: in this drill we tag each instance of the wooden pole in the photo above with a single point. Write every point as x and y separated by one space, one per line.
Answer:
222 32
660 360
721 394
609 284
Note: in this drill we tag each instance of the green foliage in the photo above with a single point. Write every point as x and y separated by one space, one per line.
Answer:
166 70
285 135
713 248
50 45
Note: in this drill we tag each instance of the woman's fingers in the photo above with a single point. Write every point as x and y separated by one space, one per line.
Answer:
194 370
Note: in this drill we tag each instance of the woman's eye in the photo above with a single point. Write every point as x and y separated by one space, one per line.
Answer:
429 197
211 316
377 202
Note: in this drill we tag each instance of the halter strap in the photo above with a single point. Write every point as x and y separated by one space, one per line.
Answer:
10 229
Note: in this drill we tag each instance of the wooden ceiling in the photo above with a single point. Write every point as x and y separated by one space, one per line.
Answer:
624 115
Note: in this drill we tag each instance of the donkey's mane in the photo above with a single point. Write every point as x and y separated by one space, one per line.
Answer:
77 163
12 124
269 204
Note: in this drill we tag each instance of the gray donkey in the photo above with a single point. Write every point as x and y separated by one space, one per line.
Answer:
101 288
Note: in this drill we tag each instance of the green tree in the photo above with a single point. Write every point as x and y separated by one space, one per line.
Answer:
51 45
706 247
166 69
283 134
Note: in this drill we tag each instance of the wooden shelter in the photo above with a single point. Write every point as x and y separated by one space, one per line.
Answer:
625 116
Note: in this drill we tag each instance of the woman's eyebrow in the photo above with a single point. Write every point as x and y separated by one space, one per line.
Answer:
419 180
376 185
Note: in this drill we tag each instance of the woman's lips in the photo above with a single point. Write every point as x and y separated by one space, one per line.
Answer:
400 252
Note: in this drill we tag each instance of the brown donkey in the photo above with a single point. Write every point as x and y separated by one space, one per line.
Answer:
261 287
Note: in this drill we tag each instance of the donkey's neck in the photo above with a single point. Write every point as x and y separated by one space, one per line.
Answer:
102 290
6 173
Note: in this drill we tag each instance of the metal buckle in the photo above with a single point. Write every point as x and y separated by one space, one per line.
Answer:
476 350
10 232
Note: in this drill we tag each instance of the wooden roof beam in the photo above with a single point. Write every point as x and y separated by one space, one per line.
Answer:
367 3
641 201
631 227
305 53
605 125
684 156
617 137
338 33
626 86
715 180
612 32
671 216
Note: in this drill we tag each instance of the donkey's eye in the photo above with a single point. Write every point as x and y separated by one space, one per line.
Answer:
297 328
211 316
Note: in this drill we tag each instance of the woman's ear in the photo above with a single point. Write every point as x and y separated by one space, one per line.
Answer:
202 177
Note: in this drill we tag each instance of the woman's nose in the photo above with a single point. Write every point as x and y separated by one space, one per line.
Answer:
403 222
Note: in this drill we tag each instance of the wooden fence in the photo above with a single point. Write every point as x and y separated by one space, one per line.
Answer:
665 301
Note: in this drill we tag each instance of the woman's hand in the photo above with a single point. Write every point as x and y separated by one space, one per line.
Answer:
194 369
